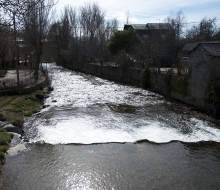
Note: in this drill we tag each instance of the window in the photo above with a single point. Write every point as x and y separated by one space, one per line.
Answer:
185 59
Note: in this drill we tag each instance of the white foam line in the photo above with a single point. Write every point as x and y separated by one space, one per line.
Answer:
88 132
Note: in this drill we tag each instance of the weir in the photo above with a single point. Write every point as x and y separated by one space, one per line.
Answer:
129 138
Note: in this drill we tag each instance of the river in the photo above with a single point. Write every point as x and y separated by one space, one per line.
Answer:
96 134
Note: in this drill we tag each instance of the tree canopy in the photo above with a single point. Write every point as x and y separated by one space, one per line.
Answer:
122 41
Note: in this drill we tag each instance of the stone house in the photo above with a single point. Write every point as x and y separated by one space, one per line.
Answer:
202 57
158 42
203 62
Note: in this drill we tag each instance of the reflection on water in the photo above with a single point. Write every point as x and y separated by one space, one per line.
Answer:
205 149
115 166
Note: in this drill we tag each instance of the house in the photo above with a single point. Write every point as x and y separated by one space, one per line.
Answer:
203 59
158 40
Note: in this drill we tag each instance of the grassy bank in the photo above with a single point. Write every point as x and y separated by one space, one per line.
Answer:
5 139
13 109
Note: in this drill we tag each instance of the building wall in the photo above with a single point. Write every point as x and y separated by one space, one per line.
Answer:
215 68
160 43
200 75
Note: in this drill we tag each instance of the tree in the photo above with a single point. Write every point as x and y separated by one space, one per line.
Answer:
81 36
30 14
111 28
92 24
122 41
217 35
5 45
64 30
13 10
36 26
177 21
204 31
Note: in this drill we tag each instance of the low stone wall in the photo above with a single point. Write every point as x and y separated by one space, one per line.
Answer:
127 75
159 83
204 97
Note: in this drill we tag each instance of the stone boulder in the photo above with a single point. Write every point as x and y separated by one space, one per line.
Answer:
13 129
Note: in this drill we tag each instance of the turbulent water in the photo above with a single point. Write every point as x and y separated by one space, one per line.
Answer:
85 109
84 140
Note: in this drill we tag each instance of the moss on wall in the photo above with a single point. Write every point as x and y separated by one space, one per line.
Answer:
146 78
212 96
179 84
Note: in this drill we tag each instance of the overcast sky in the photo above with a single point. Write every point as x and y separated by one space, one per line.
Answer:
144 11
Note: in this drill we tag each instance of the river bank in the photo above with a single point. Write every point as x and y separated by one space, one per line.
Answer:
13 110
15 105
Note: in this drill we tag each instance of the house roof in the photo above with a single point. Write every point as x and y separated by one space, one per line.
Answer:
159 26
190 47
149 26
212 47
135 26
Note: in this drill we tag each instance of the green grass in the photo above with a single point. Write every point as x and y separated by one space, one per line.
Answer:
13 109
5 139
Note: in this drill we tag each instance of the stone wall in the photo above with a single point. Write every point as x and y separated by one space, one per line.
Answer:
127 75
205 97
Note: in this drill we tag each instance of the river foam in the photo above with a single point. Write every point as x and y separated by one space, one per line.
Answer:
88 131
85 109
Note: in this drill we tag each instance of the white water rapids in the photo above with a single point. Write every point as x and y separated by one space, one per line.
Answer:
85 109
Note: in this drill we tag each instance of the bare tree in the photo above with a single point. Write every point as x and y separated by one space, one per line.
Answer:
36 23
74 21
92 24
13 10
5 45
111 27
204 31
177 21
82 36
91 20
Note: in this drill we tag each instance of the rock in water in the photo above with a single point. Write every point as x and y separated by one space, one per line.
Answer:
16 149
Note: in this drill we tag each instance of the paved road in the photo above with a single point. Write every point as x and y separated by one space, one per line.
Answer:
10 79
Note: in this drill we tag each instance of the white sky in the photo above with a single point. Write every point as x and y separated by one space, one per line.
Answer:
143 11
